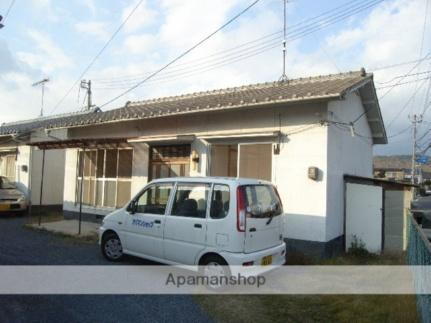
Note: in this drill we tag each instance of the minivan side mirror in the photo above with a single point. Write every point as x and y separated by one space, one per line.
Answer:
131 208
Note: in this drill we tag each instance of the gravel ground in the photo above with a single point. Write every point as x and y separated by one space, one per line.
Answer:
22 246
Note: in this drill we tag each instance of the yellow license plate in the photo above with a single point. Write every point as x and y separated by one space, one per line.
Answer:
267 260
4 207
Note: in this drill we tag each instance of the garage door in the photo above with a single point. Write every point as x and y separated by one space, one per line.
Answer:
364 220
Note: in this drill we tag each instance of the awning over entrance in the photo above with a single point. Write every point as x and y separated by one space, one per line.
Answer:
243 137
164 140
83 143
8 151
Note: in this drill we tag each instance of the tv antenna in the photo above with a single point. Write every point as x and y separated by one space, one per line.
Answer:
283 77
42 84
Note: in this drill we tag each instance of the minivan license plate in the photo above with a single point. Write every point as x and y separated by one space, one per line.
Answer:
267 260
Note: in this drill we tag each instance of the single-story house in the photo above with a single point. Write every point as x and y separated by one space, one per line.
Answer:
304 135
22 163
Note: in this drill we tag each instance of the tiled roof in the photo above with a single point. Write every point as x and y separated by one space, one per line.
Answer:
302 89
21 127
296 90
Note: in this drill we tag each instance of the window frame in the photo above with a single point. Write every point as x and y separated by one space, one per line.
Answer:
238 160
79 177
212 193
211 185
146 188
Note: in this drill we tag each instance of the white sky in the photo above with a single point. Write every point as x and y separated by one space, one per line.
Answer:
57 39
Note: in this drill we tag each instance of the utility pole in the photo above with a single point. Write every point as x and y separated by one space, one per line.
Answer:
415 120
283 77
42 84
87 86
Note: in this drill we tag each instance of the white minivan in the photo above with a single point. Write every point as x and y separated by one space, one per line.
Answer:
199 221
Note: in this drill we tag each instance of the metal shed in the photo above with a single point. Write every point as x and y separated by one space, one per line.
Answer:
376 213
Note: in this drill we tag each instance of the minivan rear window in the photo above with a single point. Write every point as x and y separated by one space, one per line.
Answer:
262 201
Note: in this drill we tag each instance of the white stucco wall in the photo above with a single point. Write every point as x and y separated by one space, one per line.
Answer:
314 209
304 200
53 183
346 155
22 179
29 181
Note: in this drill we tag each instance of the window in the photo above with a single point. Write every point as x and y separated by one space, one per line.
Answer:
154 199
191 200
220 202
8 166
262 201
170 161
255 160
106 176
224 159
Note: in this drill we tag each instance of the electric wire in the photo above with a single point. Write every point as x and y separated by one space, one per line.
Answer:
8 10
392 87
295 34
183 54
98 54
117 84
406 104
292 28
403 83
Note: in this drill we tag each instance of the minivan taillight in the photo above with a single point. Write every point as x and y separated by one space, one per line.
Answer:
241 209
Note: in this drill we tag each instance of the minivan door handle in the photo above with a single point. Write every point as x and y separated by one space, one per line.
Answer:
157 221
198 225
252 230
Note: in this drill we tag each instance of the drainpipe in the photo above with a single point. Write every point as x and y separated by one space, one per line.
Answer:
30 175
81 171
208 153
41 186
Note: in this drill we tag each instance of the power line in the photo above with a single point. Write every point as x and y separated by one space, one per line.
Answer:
98 54
409 72
222 52
403 83
375 69
8 10
183 54
404 75
406 104
393 86
243 54
295 33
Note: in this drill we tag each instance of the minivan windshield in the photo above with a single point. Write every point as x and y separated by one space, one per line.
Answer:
5 184
262 201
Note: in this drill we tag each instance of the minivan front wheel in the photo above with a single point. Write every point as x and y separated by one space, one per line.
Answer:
111 247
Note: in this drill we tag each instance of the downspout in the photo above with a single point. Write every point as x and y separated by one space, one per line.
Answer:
30 175
41 186
81 171
208 161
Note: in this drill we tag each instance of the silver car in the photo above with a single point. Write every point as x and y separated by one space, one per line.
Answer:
11 199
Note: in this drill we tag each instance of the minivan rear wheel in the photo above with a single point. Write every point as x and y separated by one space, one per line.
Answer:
212 266
111 247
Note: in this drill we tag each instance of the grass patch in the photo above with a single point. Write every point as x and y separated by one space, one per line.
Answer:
316 308
312 308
